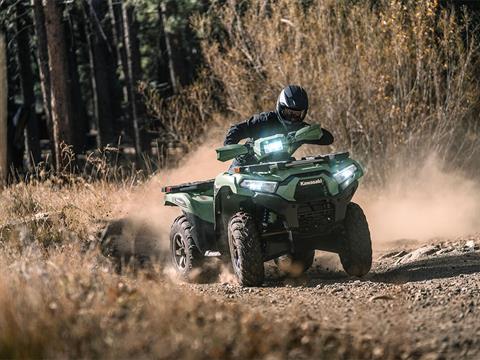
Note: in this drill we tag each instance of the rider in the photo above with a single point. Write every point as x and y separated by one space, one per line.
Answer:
292 107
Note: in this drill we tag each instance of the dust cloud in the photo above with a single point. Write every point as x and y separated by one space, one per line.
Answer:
145 204
421 204
418 204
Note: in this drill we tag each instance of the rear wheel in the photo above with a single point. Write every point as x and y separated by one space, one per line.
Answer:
356 245
245 250
185 256
297 263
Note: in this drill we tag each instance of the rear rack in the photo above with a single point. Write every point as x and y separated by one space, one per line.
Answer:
192 186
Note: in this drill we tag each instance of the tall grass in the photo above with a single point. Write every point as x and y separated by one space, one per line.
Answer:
392 79
185 119
60 298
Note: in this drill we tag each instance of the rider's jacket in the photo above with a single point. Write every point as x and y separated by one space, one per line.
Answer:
267 124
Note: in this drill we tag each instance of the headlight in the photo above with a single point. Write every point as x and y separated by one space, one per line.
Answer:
273 146
260 186
345 174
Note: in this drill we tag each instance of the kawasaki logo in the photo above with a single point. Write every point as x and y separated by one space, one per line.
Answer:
311 182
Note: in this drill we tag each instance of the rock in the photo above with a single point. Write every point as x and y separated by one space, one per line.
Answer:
392 254
381 297
401 253
418 254
445 250
469 246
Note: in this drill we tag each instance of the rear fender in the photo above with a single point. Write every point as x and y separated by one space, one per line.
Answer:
199 211
181 200
199 205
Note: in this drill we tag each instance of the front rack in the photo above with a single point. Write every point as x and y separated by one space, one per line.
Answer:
282 165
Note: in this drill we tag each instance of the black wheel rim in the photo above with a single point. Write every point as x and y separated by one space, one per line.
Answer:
180 252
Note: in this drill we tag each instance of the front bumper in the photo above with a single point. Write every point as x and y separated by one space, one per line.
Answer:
309 224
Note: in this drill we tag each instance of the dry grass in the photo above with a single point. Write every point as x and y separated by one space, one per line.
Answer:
184 120
392 79
59 297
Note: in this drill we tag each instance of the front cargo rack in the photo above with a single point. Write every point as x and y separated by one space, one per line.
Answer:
282 165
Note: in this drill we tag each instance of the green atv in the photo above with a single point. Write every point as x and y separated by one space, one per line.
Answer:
279 208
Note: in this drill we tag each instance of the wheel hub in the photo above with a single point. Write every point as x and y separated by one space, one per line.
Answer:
180 251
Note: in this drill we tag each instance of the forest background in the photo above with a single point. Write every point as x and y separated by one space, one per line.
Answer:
97 95
136 84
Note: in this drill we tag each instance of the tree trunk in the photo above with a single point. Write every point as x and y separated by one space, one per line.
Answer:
26 76
15 134
116 19
79 113
42 54
59 82
178 63
3 111
115 14
136 77
118 24
163 74
107 97
174 79
128 16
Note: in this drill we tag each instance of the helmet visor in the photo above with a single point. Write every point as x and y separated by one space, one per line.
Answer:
293 115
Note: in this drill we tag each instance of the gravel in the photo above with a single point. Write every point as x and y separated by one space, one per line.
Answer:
423 301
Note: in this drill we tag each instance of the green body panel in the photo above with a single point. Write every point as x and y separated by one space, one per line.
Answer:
287 190
201 203
229 152
198 204
309 133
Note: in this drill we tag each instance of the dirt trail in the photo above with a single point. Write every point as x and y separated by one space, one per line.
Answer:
422 297
422 301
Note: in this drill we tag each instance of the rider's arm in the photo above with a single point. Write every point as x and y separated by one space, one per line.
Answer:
236 133
244 130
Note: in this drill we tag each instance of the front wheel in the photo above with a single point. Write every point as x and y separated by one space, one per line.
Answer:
245 250
356 245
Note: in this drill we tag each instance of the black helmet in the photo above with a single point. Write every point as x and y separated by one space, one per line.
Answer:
292 104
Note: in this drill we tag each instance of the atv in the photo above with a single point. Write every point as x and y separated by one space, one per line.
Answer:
279 208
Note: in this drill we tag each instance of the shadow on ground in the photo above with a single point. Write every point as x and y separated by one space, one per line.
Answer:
430 268
425 269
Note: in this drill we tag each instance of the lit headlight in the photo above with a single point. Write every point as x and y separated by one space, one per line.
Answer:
345 174
273 146
260 186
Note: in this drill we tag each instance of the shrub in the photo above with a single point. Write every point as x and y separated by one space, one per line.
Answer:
392 79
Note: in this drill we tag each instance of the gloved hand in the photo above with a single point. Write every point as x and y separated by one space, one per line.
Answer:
291 137
247 159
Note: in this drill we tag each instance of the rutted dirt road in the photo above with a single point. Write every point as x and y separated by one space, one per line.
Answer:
419 301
